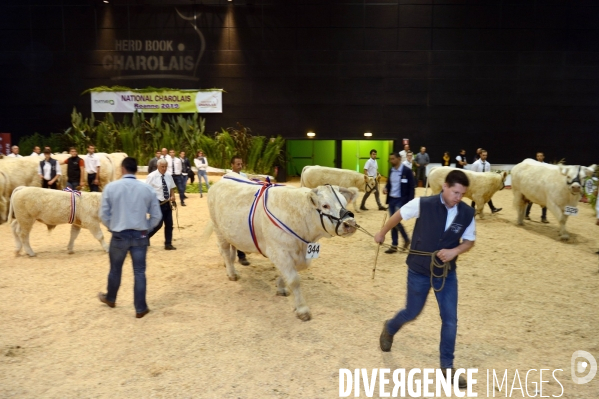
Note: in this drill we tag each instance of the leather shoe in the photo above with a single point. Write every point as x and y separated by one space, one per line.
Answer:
244 261
169 247
363 208
406 244
392 249
386 339
496 210
142 314
527 217
382 208
102 298
544 220
183 204
461 380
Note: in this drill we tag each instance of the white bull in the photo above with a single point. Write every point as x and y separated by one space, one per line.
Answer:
481 189
53 207
305 212
314 176
552 186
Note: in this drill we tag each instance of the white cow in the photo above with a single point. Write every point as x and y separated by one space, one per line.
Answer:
310 214
552 186
314 176
481 189
53 207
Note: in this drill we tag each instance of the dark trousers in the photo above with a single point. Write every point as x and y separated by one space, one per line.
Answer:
136 243
167 220
543 211
180 181
73 184
394 205
421 175
376 195
490 204
90 182
46 185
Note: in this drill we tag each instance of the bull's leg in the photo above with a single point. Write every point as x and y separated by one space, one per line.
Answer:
228 252
15 232
98 235
281 287
480 206
23 232
285 263
520 205
74 233
355 204
559 215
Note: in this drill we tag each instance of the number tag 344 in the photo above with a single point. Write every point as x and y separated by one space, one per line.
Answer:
571 211
313 250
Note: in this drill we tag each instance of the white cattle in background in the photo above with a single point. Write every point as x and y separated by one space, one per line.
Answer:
309 213
483 185
53 207
553 186
314 176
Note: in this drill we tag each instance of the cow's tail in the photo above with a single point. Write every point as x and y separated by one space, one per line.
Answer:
207 231
302 176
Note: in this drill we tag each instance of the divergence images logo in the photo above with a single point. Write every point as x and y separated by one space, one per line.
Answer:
579 367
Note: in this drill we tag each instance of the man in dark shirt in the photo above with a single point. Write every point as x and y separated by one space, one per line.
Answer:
75 169
152 165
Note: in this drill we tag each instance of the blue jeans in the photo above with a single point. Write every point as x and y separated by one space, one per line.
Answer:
202 173
418 288
135 242
180 181
72 185
394 205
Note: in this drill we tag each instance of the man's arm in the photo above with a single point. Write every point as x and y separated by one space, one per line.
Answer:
105 213
81 173
447 255
391 222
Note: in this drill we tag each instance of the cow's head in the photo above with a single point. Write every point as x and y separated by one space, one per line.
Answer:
369 183
330 202
575 175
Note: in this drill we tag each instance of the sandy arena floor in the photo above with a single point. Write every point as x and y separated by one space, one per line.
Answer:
527 301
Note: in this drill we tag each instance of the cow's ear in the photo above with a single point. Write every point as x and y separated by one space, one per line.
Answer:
349 193
504 176
563 170
590 170
313 196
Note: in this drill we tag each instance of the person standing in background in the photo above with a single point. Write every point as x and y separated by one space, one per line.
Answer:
371 168
49 171
175 168
445 161
152 165
422 160
92 167
37 152
14 152
404 153
460 160
201 162
75 169
540 158
483 166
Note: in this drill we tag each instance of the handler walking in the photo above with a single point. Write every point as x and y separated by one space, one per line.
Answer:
443 221
371 168
125 203
163 185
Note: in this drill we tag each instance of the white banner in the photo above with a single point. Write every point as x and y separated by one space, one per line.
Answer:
171 101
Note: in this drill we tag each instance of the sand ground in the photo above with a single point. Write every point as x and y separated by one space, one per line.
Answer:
527 301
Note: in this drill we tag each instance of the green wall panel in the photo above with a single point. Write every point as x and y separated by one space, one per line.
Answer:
355 153
309 152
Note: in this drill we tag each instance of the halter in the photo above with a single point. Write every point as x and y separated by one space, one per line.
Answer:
343 214
576 179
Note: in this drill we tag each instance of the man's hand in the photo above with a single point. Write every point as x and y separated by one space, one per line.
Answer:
385 191
172 198
379 238
96 182
447 255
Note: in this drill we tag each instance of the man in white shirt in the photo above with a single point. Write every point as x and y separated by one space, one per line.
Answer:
14 152
92 167
163 184
483 166
175 168
36 152
446 225
404 153
201 162
409 162
371 168
49 171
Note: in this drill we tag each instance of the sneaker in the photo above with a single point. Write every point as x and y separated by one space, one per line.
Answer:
392 249
386 339
244 261
496 210
544 220
461 380
527 217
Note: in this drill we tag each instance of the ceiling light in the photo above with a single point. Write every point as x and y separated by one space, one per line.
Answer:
311 134
367 134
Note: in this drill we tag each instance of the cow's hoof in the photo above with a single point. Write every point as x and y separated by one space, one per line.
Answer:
31 255
70 251
564 238
233 278
304 316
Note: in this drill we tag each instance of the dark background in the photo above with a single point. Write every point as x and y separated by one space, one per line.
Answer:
513 77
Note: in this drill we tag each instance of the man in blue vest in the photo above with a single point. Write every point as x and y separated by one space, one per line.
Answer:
444 224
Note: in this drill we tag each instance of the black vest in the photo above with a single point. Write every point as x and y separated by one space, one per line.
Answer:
430 235
73 169
53 170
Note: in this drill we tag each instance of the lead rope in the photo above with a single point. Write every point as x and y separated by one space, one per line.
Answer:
433 264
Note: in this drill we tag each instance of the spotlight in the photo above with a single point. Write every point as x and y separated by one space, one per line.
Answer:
367 134
311 134
106 1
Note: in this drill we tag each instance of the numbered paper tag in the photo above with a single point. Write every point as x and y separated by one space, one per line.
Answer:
571 211
313 250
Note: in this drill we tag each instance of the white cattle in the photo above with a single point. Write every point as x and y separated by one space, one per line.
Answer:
481 189
314 176
309 214
53 207
552 186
